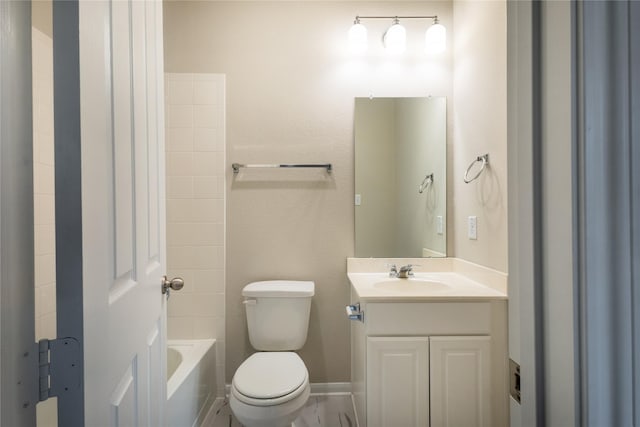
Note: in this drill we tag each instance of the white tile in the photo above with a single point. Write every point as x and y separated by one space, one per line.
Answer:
179 164
179 327
179 139
196 305
207 257
208 139
45 269
208 163
180 116
44 239
43 179
46 326
195 234
211 281
46 297
180 92
207 187
195 257
44 209
207 116
181 304
180 258
180 187
207 92
45 148
194 210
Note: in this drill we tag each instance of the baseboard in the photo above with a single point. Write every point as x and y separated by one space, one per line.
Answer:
330 388
316 388
215 407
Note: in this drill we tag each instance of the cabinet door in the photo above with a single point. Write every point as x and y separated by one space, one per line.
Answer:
460 381
397 381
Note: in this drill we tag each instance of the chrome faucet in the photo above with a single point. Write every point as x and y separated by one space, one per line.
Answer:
393 271
405 272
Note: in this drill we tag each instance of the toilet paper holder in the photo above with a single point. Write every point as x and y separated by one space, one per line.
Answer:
354 312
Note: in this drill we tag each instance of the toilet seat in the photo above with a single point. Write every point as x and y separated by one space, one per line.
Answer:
270 378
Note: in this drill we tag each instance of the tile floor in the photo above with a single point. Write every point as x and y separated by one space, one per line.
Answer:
320 411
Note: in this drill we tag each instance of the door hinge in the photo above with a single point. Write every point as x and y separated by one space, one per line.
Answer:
59 366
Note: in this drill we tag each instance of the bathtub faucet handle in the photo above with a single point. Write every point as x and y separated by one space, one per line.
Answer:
176 284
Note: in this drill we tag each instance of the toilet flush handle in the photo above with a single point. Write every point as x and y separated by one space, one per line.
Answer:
251 301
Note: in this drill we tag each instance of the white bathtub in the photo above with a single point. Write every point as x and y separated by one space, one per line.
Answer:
191 384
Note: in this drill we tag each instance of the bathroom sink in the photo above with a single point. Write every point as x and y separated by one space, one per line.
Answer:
411 284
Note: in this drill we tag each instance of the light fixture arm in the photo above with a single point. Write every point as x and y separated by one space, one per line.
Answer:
358 17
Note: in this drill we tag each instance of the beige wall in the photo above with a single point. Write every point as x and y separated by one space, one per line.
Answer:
480 126
291 84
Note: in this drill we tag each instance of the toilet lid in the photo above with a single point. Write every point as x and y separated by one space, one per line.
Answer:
268 375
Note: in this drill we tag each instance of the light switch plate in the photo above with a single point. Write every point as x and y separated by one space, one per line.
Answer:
358 200
473 228
439 225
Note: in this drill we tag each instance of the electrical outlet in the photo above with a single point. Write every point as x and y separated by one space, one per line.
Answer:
439 225
472 232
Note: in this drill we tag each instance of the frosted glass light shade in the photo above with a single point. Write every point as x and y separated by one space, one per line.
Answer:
358 38
395 39
435 39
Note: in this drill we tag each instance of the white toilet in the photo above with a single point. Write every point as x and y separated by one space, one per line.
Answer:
271 387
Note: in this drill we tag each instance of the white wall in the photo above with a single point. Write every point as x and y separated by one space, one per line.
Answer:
195 208
480 127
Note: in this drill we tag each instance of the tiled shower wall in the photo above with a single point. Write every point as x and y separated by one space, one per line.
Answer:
43 204
43 186
195 153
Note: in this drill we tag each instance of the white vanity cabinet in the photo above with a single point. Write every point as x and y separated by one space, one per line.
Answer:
424 363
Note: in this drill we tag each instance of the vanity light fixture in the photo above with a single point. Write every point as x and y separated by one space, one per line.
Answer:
395 38
435 39
358 37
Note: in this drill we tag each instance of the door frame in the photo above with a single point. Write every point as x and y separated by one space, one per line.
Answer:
68 191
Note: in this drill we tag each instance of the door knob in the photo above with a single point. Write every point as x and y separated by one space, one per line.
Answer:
176 284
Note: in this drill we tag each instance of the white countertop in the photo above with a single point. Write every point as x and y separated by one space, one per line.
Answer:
437 286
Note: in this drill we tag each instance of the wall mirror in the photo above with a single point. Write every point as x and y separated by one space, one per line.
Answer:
400 177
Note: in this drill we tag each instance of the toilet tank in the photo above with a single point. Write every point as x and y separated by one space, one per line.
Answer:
278 313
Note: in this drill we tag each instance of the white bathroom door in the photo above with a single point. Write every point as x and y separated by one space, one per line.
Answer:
121 205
